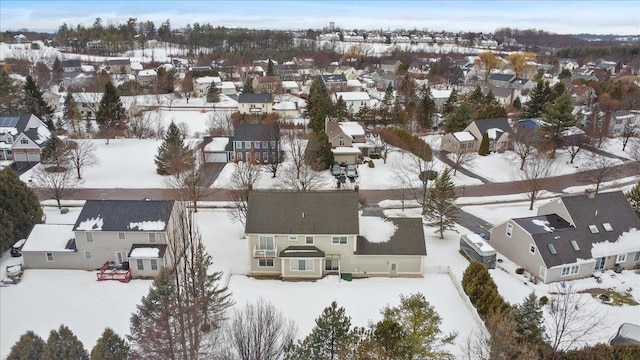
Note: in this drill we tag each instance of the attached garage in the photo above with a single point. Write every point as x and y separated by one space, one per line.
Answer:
346 155
215 149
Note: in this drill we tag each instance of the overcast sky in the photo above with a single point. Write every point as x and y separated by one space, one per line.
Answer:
563 17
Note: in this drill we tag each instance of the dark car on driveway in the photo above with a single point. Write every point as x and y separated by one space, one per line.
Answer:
17 247
335 169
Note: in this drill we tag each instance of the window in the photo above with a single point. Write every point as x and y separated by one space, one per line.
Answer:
238 156
121 236
509 230
140 264
309 240
266 243
594 229
265 262
532 249
302 265
237 144
621 258
9 139
331 265
119 257
265 144
637 257
552 249
570 270
341 141
575 246
257 157
607 227
49 257
256 144
575 269
339 240
247 144
24 141
89 237
293 238
542 272
154 264
273 144
152 237
87 255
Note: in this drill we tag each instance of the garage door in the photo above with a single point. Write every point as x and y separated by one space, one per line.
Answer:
216 157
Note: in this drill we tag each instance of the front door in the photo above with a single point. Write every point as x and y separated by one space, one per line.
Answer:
119 257
600 263
393 269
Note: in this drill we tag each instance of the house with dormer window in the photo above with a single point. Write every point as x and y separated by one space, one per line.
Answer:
572 237
22 137
309 235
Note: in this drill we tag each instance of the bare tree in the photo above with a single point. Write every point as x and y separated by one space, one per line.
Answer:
54 185
219 123
190 185
571 321
460 159
573 143
499 341
629 130
141 121
82 154
273 140
524 143
535 176
599 169
304 178
258 332
244 177
415 176
297 150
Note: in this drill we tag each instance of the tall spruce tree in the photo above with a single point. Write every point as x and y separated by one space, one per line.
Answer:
484 145
110 346
426 110
174 157
529 320
29 347
70 113
538 100
63 344
633 196
450 104
35 104
441 210
482 290
111 115
319 154
270 68
10 102
459 118
319 104
247 87
19 209
329 333
213 94
557 116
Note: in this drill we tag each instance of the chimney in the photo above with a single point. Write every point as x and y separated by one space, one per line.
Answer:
591 193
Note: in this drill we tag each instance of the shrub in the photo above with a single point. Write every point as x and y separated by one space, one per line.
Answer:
374 156
519 271
544 300
371 164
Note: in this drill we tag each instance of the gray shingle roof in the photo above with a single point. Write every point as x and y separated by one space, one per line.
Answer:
497 123
283 212
501 77
255 132
542 224
117 215
249 98
301 252
407 240
334 78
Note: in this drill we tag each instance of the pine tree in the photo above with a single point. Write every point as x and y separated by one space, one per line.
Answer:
55 152
174 157
441 210
10 103
529 320
557 116
35 104
247 87
70 113
319 104
319 154
213 94
29 347
476 98
111 115
484 145
450 104
270 68
64 345
19 206
538 100
459 118
634 198
517 103
110 346
340 109
482 290
426 110
490 111
329 333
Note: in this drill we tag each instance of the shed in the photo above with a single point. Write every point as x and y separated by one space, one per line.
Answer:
478 250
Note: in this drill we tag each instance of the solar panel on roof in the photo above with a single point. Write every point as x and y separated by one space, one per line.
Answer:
9 121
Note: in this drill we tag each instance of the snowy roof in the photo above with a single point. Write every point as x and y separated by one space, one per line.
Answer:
286 105
227 85
147 252
440 94
208 80
217 144
626 243
136 66
480 243
47 237
376 229
289 85
343 150
124 215
353 96
148 72
463 136
351 128
494 133
405 237
354 83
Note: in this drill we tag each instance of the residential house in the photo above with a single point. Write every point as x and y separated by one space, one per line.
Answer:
469 140
387 79
202 84
267 84
287 72
88 104
128 233
501 80
624 121
334 82
390 65
354 85
255 142
119 66
215 149
304 62
22 137
287 109
147 77
69 66
256 104
228 88
572 237
308 235
440 97
505 96
348 71
353 100
459 142
568 64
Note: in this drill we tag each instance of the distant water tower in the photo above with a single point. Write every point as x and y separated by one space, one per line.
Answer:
332 26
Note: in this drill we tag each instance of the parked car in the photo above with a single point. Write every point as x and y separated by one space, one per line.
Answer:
352 171
335 169
17 247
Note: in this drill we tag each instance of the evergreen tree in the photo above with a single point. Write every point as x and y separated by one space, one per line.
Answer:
29 347
110 346
319 104
55 152
340 109
387 100
490 111
426 110
476 98
10 102
247 87
19 206
529 320
70 113
329 333
634 198
441 210
484 145
270 69
389 339
213 94
64 345
482 290
490 98
319 154
35 104
459 118
111 115
557 116
517 103
174 157
538 100
450 104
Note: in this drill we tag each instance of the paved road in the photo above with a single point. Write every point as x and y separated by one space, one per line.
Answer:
473 223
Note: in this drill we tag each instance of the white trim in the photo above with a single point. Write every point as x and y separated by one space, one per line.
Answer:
89 236
620 258
88 255
49 257
297 262
306 240
266 262
509 230
154 262
339 237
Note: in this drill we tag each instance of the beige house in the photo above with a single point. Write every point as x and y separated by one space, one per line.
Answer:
256 104
202 84
22 137
267 84
314 234
390 66
353 100
147 77
572 237
118 66
130 234
459 142
498 131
